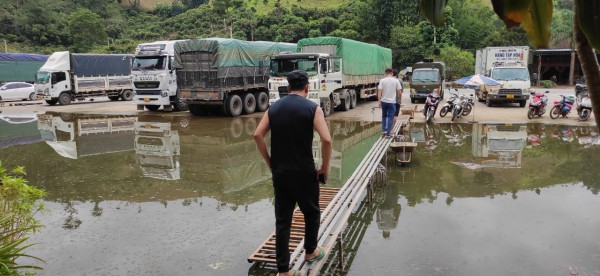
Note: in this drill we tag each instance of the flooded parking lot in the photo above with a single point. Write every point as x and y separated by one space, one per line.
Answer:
180 195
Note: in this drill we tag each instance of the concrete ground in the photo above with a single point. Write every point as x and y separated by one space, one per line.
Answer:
365 110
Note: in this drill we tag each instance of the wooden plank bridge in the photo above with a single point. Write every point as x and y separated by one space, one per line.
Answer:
337 204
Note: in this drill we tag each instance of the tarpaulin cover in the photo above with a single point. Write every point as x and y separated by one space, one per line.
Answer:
359 58
232 52
20 67
90 65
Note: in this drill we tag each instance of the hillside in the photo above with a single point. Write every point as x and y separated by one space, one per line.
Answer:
262 6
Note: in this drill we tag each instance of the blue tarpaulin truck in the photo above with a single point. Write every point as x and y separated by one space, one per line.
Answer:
20 67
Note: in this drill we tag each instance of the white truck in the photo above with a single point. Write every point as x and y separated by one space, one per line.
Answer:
507 65
66 77
154 77
499 145
340 71
78 135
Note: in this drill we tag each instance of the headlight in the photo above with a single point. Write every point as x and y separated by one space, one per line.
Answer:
313 95
272 96
412 91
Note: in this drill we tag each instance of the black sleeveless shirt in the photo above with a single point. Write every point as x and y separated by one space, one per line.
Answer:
291 120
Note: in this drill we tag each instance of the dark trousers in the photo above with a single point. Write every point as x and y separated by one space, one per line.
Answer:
292 188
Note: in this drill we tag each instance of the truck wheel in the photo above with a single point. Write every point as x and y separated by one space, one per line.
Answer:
353 99
152 107
51 102
326 107
249 103
233 105
413 100
197 110
180 106
114 98
345 106
64 98
127 95
488 102
522 103
262 101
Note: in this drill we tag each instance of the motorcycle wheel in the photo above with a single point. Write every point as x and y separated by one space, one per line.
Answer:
444 111
428 115
585 115
467 110
454 114
531 113
555 112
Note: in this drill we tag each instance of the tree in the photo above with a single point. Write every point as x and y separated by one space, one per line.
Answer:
407 46
459 63
86 29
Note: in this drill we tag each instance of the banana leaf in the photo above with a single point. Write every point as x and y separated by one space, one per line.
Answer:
433 10
537 23
512 12
589 21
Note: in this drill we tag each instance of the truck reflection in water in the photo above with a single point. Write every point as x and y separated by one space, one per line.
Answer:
157 148
499 145
78 135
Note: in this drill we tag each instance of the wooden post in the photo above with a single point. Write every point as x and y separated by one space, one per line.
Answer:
572 68
340 242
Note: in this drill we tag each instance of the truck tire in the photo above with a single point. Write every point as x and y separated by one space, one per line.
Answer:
233 105
51 102
262 101
114 98
327 107
353 98
345 106
413 100
488 102
180 106
197 110
522 103
64 98
152 107
249 103
127 95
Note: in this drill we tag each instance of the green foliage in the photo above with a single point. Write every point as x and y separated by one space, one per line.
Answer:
459 63
86 29
546 83
407 46
18 206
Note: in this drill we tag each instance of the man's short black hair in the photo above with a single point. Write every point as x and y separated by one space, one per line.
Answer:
389 71
297 80
395 72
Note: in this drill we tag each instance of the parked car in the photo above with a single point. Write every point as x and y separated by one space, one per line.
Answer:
17 91
580 86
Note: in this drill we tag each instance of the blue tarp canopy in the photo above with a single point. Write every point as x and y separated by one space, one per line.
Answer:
22 57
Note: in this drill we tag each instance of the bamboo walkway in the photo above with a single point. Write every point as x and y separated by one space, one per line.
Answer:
336 207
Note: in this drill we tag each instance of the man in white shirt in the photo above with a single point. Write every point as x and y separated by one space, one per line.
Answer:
387 91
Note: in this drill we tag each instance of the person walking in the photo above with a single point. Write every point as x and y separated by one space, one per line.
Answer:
387 91
292 121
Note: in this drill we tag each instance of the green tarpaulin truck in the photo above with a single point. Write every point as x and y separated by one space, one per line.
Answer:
340 71
20 67
230 74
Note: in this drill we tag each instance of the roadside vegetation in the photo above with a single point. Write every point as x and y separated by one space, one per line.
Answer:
19 203
117 26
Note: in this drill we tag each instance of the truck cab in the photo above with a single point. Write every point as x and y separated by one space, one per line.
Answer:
154 78
48 84
428 77
516 85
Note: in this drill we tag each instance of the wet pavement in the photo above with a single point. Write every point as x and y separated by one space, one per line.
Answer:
179 195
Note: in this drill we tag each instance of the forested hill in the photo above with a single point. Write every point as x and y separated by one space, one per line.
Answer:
117 26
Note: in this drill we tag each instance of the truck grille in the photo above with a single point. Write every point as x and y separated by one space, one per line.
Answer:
424 91
147 92
509 92
283 91
146 84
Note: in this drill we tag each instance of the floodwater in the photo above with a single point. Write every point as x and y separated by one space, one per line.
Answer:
178 195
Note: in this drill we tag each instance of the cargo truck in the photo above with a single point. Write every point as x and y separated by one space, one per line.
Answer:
228 74
154 77
20 67
340 71
507 65
157 148
427 76
66 77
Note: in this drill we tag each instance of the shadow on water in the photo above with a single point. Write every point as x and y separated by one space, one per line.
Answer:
96 168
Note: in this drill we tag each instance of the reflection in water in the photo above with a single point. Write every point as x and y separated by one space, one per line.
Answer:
388 211
157 148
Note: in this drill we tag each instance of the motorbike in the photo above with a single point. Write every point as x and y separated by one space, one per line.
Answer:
431 105
468 105
537 104
584 106
562 107
449 105
459 107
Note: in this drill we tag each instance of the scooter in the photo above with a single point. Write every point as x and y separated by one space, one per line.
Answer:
537 104
562 107
431 104
468 105
459 106
584 106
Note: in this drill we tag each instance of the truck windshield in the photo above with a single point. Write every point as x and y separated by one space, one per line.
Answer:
425 75
148 63
42 77
508 74
281 67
